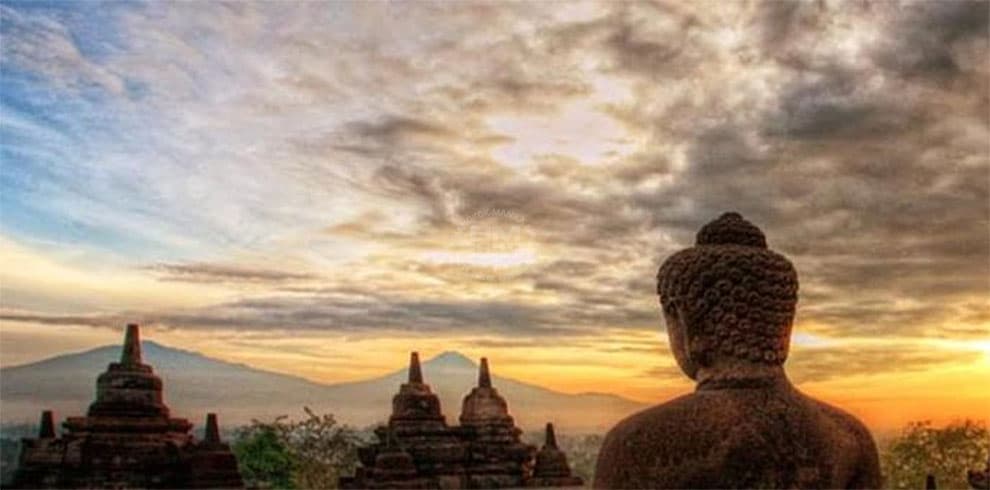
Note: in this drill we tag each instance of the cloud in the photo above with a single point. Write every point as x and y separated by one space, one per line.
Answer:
777 22
367 314
823 364
44 46
664 374
396 130
75 320
856 137
204 272
835 104
924 38
827 363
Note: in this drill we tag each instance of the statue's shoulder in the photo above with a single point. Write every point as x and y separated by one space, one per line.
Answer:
842 422
850 438
662 446
679 416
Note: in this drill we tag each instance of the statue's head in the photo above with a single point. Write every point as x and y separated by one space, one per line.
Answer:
728 297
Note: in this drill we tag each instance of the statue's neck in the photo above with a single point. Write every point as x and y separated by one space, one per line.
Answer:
735 373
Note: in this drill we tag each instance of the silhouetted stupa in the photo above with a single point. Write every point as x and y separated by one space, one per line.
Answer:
127 439
419 450
551 468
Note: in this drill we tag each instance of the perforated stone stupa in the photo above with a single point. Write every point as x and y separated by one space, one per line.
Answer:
417 449
127 439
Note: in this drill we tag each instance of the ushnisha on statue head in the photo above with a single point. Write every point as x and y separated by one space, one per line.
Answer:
728 299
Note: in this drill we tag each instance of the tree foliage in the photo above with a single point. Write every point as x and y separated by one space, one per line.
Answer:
315 451
947 452
582 451
308 453
262 458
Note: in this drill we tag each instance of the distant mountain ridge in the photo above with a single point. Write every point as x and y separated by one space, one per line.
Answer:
196 384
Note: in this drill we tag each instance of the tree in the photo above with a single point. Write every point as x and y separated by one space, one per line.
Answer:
582 453
310 453
322 449
947 452
263 459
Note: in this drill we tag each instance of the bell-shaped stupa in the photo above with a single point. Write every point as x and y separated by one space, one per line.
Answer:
130 389
415 407
497 458
419 427
484 406
417 449
127 439
552 469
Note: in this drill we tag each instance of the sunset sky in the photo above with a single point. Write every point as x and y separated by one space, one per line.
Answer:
319 188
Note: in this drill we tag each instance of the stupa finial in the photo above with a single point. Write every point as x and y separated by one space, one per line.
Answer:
551 437
415 372
212 435
47 430
131 353
484 377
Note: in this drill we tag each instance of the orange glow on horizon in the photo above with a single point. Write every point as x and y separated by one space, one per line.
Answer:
885 401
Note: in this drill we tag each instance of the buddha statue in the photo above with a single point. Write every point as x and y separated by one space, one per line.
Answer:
728 303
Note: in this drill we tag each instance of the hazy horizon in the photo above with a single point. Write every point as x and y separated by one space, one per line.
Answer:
319 188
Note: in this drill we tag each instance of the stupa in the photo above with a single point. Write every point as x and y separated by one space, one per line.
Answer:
420 427
127 439
497 458
417 427
552 469
417 449
394 468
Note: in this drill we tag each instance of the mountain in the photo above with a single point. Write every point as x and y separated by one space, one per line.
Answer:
196 384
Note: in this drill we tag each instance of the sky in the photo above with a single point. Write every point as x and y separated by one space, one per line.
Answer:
319 188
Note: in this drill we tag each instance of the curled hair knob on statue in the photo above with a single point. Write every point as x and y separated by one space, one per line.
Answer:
734 296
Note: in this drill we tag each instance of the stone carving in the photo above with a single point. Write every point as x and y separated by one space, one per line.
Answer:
127 439
728 303
417 449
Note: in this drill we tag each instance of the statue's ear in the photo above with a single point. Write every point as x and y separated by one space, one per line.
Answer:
698 346
668 306
700 351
